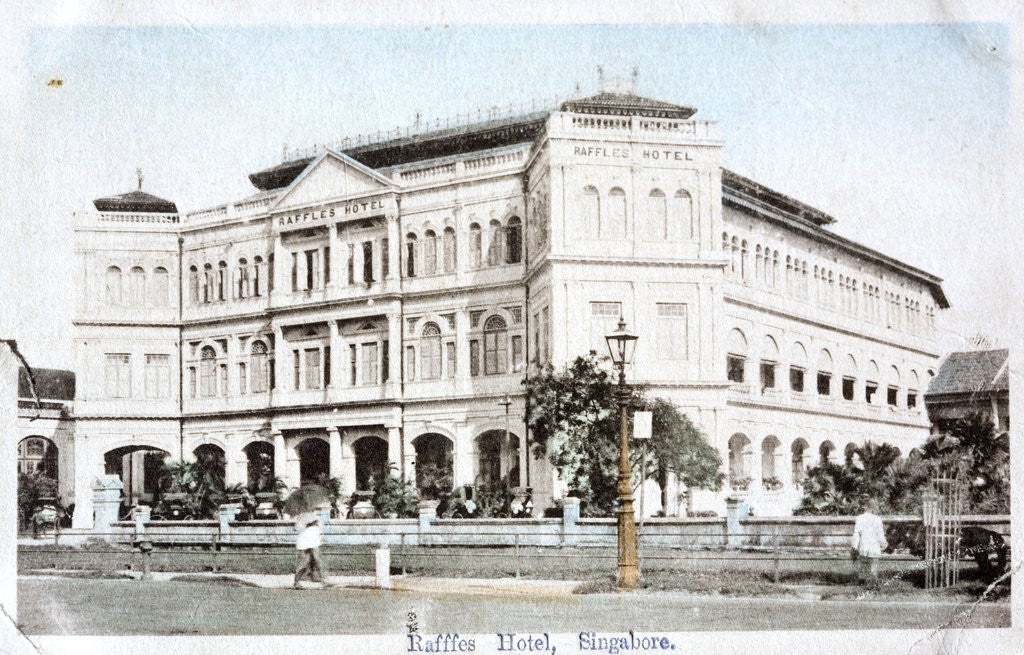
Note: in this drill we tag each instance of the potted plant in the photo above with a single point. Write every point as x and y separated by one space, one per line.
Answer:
772 483
394 498
739 484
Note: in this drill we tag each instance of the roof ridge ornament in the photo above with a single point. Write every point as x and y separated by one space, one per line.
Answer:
138 174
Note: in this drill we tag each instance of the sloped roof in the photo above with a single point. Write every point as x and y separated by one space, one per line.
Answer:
135 201
626 104
50 383
972 372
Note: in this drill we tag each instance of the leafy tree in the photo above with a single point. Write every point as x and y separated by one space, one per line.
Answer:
574 422
31 489
201 486
392 495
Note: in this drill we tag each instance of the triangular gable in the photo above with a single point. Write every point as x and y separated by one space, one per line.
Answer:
332 175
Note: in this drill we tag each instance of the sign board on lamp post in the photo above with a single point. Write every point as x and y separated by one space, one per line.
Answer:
642 425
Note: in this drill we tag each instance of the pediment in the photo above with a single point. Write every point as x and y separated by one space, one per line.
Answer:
331 176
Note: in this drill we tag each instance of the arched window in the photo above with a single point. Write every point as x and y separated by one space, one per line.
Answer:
208 288
410 255
495 346
684 214
429 252
590 213
258 275
193 284
739 462
826 451
207 372
113 284
494 238
243 279
736 356
449 250
37 455
616 214
775 269
758 264
430 352
656 223
799 461
734 255
475 245
824 379
797 367
136 287
258 368
161 286
744 273
514 241
770 451
222 281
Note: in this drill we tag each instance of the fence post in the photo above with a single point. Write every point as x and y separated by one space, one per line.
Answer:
106 500
427 512
735 511
775 550
382 566
570 519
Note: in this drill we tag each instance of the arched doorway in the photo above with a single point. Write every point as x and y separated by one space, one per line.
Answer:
371 461
497 458
739 462
314 460
211 463
799 461
37 455
770 448
140 469
825 452
434 466
260 471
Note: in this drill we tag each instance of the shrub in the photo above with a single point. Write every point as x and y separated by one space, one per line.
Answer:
392 495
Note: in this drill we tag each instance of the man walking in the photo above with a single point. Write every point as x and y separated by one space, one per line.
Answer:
307 560
868 542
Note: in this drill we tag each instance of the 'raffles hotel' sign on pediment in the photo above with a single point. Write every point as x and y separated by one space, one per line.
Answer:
362 208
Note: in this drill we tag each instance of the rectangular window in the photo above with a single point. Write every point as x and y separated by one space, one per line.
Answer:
312 264
606 309
118 375
892 396
327 366
449 349
385 361
517 353
824 384
370 363
351 265
327 264
191 381
796 379
767 375
410 363
353 369
295 359
384 259
223 370
670 330
158 376
312 368
241 378
734 367
911 399
367 262
848 386
295 271
474 357
869 392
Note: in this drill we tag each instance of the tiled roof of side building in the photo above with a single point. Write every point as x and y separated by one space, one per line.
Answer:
50 384
626 104
971 372
135 201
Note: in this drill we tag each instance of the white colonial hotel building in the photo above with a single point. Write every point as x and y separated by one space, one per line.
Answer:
374 303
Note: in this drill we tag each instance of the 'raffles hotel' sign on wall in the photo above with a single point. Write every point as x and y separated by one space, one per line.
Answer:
363 208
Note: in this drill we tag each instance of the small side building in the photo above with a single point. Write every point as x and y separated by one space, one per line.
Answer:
973 381
46 427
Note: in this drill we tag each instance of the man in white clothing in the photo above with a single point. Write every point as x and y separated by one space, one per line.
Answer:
307 543
868 542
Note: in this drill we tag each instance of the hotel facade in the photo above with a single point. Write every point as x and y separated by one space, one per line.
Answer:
378 304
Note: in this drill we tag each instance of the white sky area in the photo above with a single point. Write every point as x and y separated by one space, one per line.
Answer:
899 131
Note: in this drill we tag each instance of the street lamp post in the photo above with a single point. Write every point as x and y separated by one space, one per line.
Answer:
621 344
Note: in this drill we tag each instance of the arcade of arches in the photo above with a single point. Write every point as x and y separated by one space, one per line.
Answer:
763 464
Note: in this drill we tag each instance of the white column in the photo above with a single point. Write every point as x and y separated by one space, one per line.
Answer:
523 454
394 354
463 473
281 353
462 350
409 463
282 269
347 463
335 452
280 457
292 469
236 462
395 449
394 246
336 354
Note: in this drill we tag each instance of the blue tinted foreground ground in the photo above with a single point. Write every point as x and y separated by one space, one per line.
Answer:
123 607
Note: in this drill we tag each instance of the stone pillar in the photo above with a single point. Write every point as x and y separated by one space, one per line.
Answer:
282 269
409 463
88 465
292 469
237 465
334 242
570 514
347 462
523 454
462 350
463 472
281 355
395 450
735 511
106 501
335 468
394 246
394 354
336 355
427 513
226 513
280 456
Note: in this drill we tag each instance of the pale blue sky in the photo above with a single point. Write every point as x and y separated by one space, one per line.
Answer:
899 131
